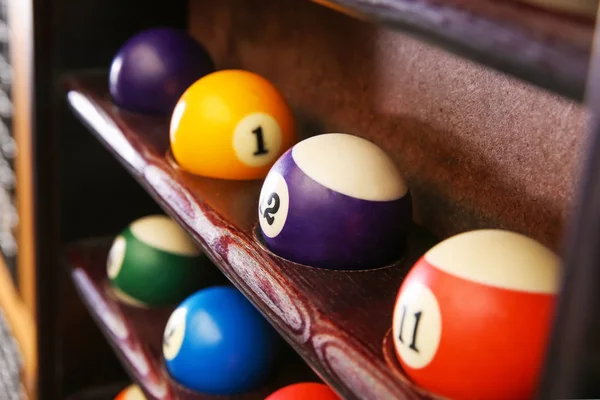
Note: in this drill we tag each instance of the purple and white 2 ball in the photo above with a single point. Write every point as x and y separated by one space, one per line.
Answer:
335 201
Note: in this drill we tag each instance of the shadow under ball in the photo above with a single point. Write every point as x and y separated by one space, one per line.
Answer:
153 69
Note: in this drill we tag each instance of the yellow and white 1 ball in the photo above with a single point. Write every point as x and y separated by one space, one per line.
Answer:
472 317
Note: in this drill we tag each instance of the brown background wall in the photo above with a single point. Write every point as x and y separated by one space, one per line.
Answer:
479 149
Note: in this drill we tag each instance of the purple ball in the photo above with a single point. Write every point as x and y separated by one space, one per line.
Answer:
335 201
152 69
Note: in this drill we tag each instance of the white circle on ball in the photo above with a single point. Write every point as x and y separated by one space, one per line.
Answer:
257 139
273 204
174 333
163 233
417 325
350 165
116 255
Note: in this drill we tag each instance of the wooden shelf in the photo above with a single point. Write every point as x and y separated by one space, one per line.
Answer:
136 333
335 320
549 47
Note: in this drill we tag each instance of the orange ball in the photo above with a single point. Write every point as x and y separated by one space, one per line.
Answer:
131 392
473 316
231 124
304 391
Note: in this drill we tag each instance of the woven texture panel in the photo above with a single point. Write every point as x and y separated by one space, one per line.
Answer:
10 364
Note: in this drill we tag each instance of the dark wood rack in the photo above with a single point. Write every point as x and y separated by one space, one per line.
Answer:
136 333
335 320
549 48
478 148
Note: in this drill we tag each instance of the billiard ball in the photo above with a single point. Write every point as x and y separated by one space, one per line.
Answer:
131 392
335 201
231 124
217 343
473 315
304 391
154 262
152 69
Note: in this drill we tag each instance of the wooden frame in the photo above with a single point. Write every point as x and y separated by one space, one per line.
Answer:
21 46
20 302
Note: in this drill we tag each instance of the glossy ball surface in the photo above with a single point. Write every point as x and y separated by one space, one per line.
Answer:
231 124
131 392
473 315
216 342
304 391
335 201
154 262
153 69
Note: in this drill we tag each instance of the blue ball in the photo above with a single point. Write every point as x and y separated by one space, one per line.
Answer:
216 342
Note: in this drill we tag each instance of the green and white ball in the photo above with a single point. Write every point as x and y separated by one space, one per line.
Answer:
154 262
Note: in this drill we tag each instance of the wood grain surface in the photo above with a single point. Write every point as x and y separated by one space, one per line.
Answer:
586 8
336 320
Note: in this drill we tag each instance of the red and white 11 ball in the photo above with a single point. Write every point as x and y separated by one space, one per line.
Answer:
473 316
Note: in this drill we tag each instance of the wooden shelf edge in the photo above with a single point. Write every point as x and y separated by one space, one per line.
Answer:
135 333
550 49
284 292
132 354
